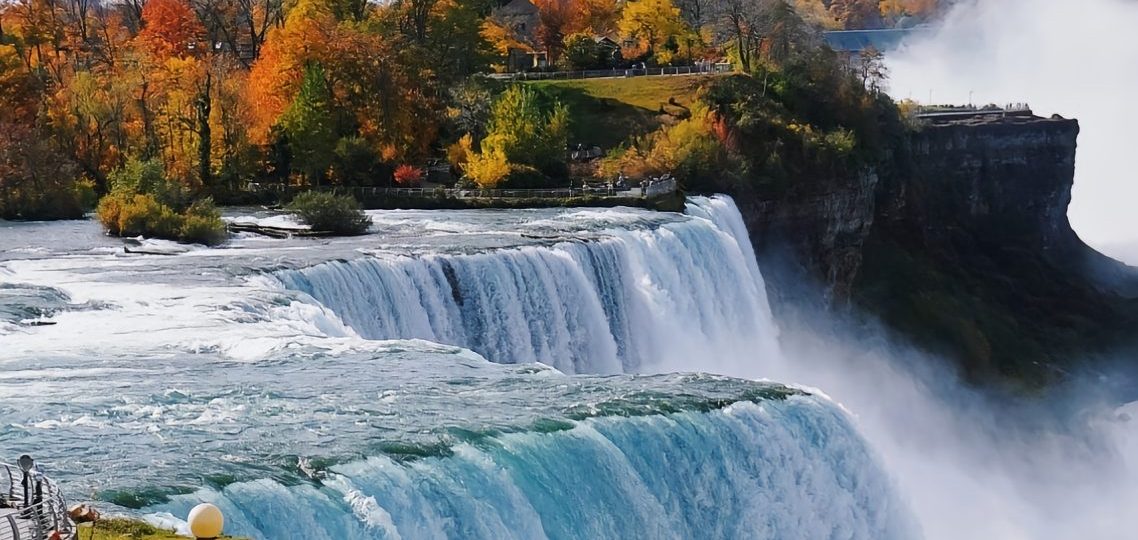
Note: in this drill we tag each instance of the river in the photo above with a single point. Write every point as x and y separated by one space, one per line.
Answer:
487 374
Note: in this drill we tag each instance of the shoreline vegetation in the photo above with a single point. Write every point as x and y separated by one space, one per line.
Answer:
124 528
163 111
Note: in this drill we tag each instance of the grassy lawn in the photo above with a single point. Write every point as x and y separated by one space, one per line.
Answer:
606 112
127 529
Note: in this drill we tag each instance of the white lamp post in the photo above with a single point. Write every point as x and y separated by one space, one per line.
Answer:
205 521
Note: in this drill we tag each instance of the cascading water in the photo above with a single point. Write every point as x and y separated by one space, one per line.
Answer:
784 468
684 296
314 406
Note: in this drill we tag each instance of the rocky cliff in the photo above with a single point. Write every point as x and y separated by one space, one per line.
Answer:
960 242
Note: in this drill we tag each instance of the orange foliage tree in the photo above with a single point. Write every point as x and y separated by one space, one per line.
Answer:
557 19
275 77
170 28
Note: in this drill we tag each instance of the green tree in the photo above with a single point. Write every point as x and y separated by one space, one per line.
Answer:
327 212
528 133
581 52
355 163
310 124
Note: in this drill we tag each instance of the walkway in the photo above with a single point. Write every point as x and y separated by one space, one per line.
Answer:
704 69
651 190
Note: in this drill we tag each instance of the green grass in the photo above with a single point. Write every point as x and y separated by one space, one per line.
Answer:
606 112
127 529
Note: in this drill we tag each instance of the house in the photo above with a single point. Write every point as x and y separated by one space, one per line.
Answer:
521 17
606 44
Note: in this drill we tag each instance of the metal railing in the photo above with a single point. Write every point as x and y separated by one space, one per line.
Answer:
33 507
660 187
614 72
934 111
652 189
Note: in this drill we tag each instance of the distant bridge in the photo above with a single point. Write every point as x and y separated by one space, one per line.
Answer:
856 41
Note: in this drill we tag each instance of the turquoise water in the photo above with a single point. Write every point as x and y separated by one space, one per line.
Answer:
453 374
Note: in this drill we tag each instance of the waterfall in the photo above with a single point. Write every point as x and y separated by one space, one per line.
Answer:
780 468
683 296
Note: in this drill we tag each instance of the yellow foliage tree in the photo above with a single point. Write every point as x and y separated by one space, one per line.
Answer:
458 154
501 38
651 22
488 169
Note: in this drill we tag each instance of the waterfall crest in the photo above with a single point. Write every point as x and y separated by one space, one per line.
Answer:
788 469
685 296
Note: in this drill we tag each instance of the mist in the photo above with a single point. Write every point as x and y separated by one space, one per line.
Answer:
1078 59
973 464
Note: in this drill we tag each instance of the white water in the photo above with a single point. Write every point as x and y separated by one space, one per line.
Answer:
685 296
965 471
791 469
202 372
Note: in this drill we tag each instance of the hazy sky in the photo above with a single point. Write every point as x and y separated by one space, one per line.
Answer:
1077 58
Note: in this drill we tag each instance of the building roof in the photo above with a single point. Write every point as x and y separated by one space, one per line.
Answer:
860 40
606 41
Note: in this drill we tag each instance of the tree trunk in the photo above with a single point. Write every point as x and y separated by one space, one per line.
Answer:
204 106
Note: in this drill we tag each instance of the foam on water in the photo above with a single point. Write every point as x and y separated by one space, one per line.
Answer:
682 296
775 469
337 388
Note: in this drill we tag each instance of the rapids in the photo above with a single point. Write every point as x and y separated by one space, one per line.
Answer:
452 374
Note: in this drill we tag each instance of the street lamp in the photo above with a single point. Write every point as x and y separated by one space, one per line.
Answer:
205 521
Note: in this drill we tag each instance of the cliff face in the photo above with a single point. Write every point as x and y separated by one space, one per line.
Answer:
1008 177
961 243
821 225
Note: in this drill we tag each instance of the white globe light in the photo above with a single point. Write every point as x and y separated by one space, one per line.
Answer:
205 521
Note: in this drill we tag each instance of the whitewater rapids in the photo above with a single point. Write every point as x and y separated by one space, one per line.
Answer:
393 386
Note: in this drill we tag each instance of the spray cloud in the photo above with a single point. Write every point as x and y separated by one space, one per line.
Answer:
1074 58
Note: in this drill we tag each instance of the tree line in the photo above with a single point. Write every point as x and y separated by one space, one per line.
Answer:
208 94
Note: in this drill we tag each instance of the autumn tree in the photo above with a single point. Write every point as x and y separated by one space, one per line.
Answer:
501 38
651 22
557 19
785 32
740 27
442 39
415 17
871 69
233 155
817 13
857 14
239 26
598 16
17 87
893 10
170 28
88 118
36 181
696 13
276 75
456 43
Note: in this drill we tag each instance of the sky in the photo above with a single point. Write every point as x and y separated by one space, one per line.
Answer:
1076 58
